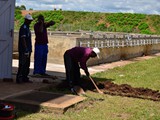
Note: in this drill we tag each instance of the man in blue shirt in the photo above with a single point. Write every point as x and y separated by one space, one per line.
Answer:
25 49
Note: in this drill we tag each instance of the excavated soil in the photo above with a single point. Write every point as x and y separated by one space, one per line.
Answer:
108 87
129 91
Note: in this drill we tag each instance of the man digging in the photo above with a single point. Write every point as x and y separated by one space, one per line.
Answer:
74 59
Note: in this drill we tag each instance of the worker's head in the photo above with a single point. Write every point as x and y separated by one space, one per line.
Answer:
95 52
41 18
28 19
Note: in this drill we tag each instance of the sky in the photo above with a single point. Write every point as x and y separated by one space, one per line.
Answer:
107 6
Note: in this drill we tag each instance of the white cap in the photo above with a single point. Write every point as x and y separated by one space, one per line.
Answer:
96 50
28 17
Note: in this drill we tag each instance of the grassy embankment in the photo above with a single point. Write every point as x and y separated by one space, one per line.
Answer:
94 21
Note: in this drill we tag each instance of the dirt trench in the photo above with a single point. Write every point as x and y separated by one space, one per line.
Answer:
108 87
129 91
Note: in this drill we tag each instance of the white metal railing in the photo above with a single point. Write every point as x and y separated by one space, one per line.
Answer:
114 43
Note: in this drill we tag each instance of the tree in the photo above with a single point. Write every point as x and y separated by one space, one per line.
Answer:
23 7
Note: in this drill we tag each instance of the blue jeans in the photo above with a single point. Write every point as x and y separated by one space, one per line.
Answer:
40 59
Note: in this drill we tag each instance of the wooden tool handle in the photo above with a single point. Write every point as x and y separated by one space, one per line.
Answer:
98 90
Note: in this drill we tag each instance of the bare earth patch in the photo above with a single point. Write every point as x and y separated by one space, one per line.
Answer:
126 90
129 91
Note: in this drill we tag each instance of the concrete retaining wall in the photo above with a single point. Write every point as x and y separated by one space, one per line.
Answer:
59 43
115 54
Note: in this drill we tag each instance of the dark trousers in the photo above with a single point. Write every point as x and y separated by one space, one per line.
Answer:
23 69
72 71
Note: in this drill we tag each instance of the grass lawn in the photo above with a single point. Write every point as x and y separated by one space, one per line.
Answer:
140 74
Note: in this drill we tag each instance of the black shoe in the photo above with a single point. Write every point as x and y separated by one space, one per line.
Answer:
73 91
45 74
37 75
26 80
19 80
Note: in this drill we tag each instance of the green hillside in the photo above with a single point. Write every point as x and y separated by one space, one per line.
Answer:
95 21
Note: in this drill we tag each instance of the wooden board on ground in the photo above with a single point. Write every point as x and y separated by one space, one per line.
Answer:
35 100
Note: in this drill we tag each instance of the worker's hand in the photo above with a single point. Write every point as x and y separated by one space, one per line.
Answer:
51 22
87 73
26 53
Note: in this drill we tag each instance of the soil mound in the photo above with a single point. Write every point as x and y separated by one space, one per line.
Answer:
108 87
129 91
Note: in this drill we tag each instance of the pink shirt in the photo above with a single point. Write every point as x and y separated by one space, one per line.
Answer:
81 55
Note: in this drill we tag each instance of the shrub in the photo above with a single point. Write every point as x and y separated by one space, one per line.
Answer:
146 32
101 27
143 26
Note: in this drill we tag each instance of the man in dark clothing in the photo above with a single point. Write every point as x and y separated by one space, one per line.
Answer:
41 45
25 49
76 58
